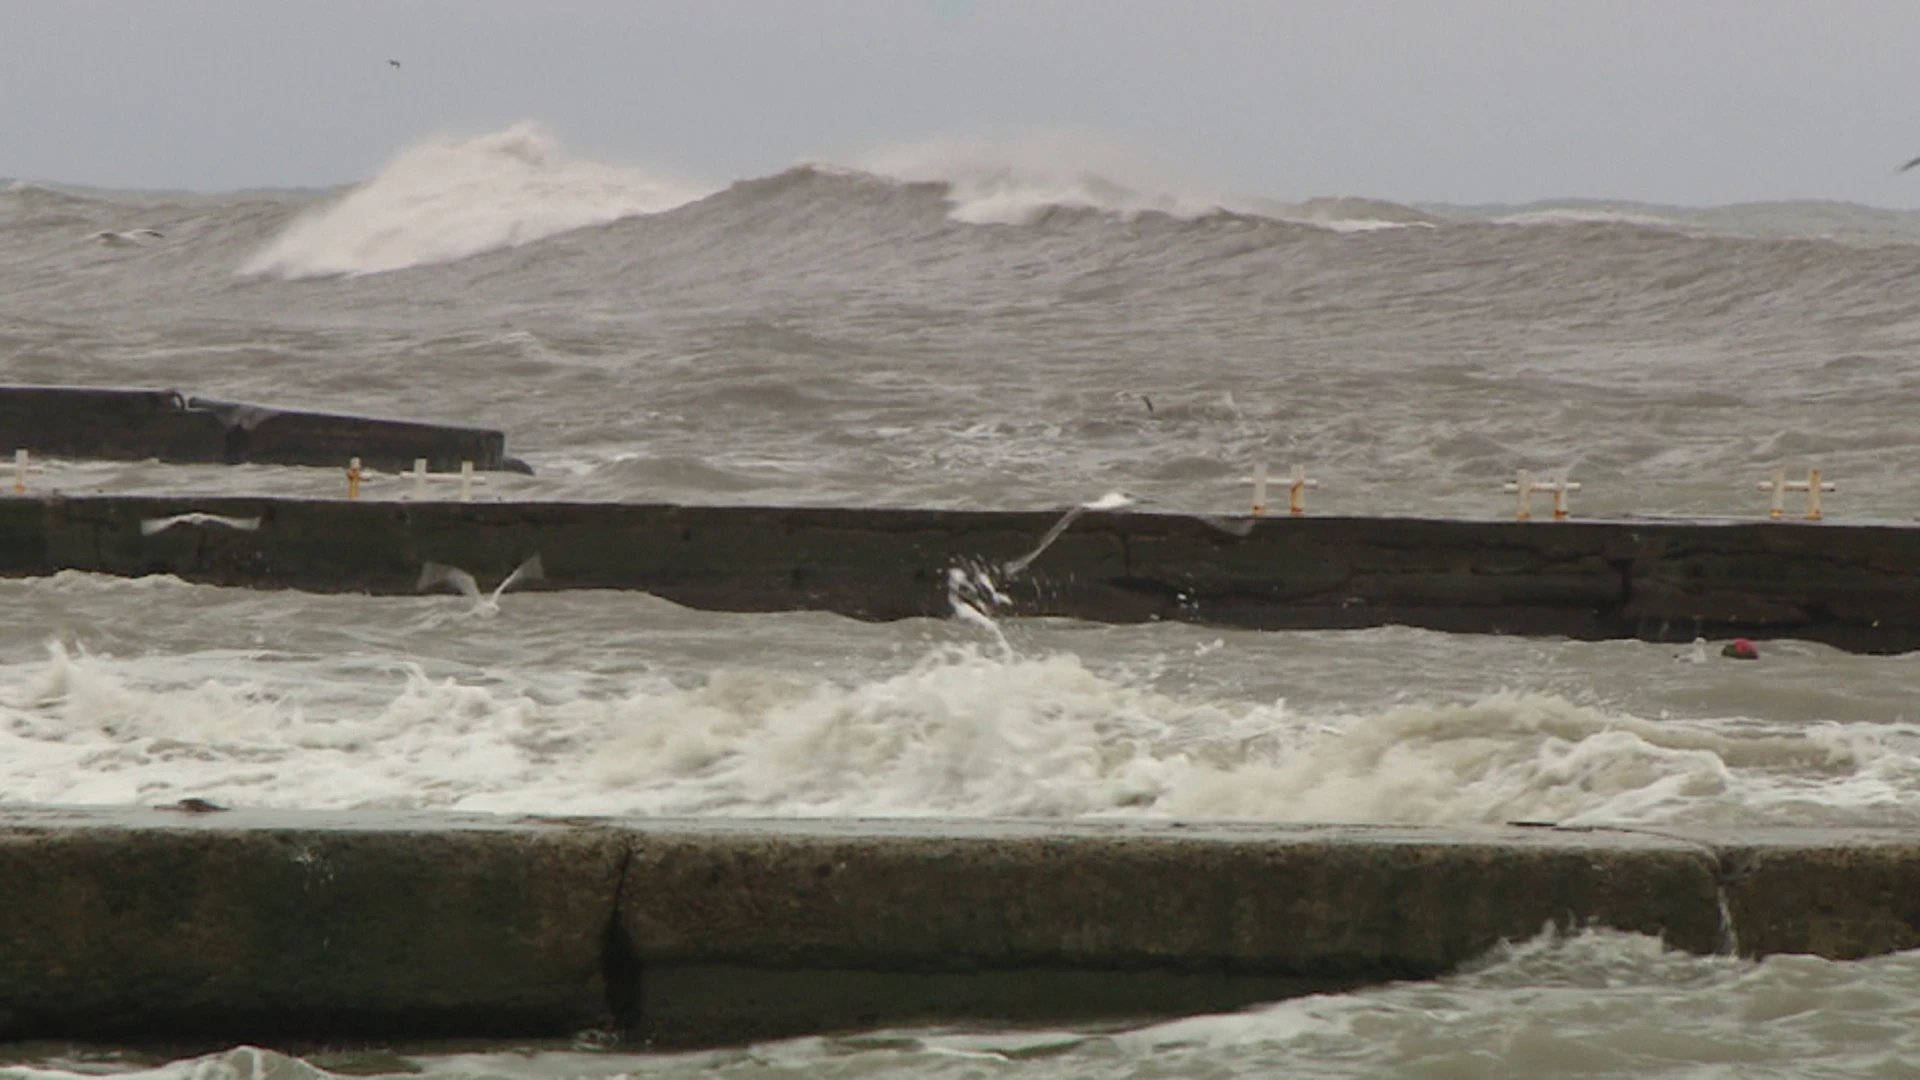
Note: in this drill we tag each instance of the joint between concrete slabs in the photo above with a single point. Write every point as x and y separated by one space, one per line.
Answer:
619 958
265 923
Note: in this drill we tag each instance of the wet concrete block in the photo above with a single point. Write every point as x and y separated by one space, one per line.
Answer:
166 425
1334 572
1276 560
695 1005
25 539
265 435
1839 896
283 925
254 924
991 915
1854 587
109 424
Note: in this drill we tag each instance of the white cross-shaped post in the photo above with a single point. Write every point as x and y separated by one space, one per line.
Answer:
1296 490
421 476
1524 483
1812 485
21 467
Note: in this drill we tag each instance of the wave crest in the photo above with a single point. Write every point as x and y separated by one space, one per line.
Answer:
1014 180
447 199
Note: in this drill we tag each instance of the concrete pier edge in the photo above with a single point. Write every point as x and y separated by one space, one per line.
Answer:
1855 587
101 423
257 925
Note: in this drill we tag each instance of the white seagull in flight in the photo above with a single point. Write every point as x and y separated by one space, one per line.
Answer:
129 238
433 573
150 526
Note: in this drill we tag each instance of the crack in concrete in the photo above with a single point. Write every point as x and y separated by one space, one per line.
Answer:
619 956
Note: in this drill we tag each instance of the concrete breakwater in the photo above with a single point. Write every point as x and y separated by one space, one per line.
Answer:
261 925
131 425
1853 586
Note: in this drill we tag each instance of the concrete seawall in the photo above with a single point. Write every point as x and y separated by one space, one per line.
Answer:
261 925
1853 586
131 425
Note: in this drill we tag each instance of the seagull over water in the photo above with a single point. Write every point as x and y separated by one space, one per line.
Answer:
129 238
433 573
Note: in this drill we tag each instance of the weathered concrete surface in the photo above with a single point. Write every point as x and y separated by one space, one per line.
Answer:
288 925
131 425
257 925
1855 587
762 931
1808 891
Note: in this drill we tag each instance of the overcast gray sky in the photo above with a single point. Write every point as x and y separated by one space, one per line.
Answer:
1684 101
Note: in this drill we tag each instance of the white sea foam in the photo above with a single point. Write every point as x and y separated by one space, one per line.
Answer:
959 733
446 199
1586 215
1017 179
1590 1003
1360 225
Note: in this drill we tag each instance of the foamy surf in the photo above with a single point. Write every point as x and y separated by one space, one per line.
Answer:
447 199
1018 179
956 733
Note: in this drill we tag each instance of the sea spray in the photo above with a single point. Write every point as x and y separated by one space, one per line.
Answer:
973 595
951 730
1014 179
1019 178
450 198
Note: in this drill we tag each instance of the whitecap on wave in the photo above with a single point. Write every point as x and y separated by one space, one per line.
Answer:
1013 180
447 199
1586 215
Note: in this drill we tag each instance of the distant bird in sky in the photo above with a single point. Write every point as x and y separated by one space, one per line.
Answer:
1908 165
395 63
433 573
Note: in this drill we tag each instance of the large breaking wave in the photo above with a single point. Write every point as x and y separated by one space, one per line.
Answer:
450 198
447 199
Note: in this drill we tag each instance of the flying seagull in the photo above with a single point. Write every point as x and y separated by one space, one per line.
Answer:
433 573
128 238
395 63
1112 500
1908 165
149 526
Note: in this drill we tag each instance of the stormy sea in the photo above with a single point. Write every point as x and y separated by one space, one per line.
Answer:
970 324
